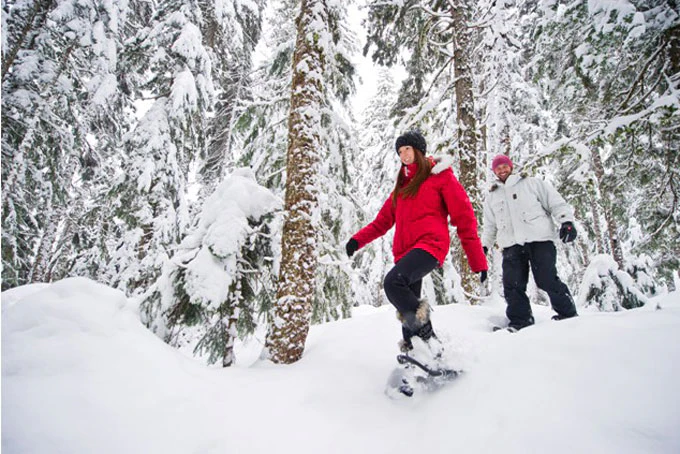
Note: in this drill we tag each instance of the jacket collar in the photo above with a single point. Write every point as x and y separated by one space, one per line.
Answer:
409 171
439 163
512 180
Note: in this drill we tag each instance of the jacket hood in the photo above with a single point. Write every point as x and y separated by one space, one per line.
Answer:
441 163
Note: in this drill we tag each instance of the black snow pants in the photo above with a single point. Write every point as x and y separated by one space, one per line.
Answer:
404 282
541 256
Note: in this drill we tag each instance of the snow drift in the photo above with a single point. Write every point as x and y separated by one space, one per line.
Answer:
81 374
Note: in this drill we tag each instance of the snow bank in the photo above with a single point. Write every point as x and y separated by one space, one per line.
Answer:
80 374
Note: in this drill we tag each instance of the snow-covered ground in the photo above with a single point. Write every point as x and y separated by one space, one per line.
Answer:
80 374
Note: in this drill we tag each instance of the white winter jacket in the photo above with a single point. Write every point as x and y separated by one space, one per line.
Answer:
521 210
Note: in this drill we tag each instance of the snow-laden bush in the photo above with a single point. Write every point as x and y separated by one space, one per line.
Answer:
608 288
641 269
213 287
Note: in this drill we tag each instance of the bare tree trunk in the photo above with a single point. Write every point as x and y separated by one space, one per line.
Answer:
296 287
42 266
612 228
599 237
506 140
467 124
229 313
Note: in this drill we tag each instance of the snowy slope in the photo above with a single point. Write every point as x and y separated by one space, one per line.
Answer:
80 374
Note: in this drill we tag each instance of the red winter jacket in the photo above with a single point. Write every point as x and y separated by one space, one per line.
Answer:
421 221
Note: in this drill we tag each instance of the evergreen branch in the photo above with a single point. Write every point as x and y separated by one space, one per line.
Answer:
39 8
431 12
650 236
487 92
275 173
639 77
643 97
482 23
436 77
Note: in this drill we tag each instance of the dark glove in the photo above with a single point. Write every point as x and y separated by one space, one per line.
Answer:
567 232
486 250
482 276
351 247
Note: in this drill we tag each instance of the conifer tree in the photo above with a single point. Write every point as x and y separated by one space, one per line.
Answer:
171 69
468 139
609 288
438 94
338 168
231 35
615 83
264 136
296 287
216 286
261 124
62 114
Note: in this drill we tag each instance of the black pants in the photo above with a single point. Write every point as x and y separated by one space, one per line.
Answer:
541 256
404 282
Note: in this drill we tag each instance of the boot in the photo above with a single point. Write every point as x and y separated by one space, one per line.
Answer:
420 340
562 317
405 344
414 321
517 325
426 332
411 324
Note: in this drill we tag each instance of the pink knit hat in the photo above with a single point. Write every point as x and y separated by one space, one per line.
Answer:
500 159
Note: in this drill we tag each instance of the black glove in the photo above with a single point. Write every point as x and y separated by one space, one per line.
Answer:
567 232
351 247
482 276
486 250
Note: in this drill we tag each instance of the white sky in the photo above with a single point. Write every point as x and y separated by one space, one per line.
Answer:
366 69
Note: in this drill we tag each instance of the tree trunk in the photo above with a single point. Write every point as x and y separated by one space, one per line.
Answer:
296 287
230 313
612 228
600 247
41 270
467 125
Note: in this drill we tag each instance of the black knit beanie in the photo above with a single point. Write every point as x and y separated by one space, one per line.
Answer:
412 138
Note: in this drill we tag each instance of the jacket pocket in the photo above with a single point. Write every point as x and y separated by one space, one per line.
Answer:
532 216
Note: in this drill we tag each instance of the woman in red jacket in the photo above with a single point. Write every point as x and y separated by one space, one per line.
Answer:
425 195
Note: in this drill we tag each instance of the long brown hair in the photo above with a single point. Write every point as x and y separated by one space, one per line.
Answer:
411 189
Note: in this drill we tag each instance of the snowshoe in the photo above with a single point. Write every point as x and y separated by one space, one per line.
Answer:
424 378
401 382
563 317
444 373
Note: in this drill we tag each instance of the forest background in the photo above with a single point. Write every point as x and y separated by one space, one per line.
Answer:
204 156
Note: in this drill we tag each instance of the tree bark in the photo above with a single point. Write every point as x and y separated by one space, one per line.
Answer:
467 124
296 287
595 210
41 269
612 227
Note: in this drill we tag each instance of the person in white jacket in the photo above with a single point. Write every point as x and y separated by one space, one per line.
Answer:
518 215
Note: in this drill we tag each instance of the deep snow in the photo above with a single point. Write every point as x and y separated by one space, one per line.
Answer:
81 374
